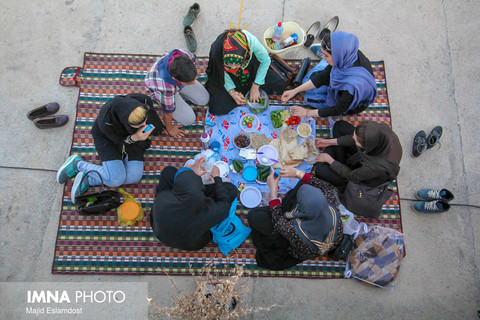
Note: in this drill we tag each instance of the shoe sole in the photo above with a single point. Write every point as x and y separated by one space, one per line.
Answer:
78 178
65 164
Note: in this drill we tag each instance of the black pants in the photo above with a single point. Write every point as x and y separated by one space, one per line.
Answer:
222 103
341 154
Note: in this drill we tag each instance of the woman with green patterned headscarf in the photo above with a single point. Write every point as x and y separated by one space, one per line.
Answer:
238 63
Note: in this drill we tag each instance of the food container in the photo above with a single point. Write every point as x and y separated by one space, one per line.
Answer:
223 168
242 140
249 118
267 151
249 173
250 197
258 107
304 130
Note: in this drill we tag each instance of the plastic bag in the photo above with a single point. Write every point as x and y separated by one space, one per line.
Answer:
350 225
130 211
376 257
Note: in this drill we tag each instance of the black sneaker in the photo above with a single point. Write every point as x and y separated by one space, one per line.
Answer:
419 143
434 136
190 39
192 14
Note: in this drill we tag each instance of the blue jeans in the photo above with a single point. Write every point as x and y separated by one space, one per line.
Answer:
114 173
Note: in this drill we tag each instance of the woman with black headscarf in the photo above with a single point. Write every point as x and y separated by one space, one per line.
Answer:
185 210
368 154
239 63
304 225
120 140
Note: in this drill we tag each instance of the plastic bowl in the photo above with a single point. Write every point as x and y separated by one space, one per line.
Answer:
257 107
223 167
269 152
251 197
304 130
235 140
249 173
255 123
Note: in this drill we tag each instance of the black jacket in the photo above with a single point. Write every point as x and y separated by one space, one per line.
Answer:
111 128
182 216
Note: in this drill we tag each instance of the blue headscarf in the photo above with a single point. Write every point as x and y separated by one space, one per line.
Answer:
356 80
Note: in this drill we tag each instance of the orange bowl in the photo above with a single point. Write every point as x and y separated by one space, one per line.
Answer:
129 210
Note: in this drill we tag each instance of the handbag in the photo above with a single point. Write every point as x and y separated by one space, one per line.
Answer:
98 202
341 252
364 200
282 69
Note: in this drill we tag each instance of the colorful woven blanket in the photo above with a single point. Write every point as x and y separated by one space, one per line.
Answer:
98 245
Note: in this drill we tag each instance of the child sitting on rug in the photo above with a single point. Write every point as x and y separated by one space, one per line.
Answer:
172 78
349 77
304 225
120 140
184 209
238 63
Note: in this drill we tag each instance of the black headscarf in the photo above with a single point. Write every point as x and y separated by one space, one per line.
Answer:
382 149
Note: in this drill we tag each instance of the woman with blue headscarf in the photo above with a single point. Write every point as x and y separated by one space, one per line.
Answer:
349 77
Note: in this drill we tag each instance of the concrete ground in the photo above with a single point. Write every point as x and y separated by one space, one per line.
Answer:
432 56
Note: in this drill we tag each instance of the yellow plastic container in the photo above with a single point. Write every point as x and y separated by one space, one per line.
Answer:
289 27
131 211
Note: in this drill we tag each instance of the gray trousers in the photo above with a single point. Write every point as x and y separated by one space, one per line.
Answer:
194 93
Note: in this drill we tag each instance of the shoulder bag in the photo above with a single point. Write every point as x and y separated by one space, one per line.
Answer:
98 202
364 200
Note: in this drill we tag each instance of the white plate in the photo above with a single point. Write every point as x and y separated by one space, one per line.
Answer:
250 197
223 167
269 152
255 123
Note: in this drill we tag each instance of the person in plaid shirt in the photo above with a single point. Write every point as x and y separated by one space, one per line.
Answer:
172 78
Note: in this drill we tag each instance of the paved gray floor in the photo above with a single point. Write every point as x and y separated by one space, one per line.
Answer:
432 55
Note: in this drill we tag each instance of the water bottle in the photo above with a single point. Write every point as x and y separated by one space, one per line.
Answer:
205 138
293 38
277 35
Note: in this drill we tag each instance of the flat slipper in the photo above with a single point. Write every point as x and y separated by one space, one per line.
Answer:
331 25
45 110
314 28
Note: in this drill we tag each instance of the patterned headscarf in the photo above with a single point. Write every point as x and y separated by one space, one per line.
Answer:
237 52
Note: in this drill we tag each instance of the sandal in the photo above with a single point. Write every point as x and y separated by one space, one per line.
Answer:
315 28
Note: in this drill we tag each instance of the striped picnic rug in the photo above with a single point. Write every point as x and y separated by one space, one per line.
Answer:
98 245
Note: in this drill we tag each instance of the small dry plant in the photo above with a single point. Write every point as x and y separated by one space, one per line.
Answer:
216 296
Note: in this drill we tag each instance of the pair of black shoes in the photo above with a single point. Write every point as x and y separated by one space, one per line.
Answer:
422 142
188 33
43 117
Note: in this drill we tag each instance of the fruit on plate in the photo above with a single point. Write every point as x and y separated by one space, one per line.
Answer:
248 121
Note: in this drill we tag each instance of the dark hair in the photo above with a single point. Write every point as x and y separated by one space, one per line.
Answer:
328 41
360 132
183 69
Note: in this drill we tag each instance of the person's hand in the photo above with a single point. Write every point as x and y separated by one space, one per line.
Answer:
254 93
324 157
287 95
215 172
272 184
239 98
197 167
299 111
288 172
322 142
175 131
140 135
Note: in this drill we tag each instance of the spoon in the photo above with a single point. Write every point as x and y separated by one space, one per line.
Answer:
265 159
